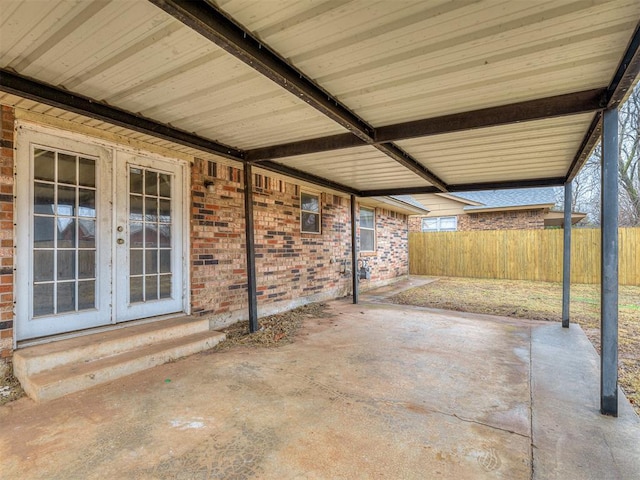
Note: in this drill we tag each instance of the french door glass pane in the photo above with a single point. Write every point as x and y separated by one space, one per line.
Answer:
44 165
86 294
67 167
149 235
43 303
87 172
64 247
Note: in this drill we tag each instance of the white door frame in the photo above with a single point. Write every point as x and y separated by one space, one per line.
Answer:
124 310
26 327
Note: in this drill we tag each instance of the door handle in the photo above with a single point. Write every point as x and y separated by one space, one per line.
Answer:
120 241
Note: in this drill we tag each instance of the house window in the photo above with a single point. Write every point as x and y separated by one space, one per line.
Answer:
367 229
440 224
310 212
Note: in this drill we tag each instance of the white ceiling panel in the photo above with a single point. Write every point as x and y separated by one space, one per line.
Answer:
363 168
529 150
133 55
388 61
401 61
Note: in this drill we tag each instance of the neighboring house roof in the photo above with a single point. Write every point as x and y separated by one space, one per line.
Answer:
509 199
496 201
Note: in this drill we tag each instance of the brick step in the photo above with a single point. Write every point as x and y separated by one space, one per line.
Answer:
32 360
76 376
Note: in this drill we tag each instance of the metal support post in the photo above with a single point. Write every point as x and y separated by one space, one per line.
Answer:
609 286
566 256
251 251
354 250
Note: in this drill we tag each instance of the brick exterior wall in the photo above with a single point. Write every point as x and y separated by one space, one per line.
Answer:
391 258
6 234
293 268
514 220
509 220
218 261
415 223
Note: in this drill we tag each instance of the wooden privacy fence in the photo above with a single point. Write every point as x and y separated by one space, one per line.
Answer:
520 255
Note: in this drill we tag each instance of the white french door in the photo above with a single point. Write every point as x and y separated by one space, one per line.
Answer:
148 237
99 239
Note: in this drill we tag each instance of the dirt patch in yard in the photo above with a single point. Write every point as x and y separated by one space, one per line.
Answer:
542 301
10 388
275 330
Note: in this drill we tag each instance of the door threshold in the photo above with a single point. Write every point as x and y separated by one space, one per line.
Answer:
90 331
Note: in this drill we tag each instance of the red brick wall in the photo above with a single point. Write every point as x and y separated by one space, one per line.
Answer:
514 220
391 258
292 267
295 267
6 233
218 261
415 223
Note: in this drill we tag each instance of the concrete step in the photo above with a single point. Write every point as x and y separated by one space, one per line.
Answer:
32 360
76 376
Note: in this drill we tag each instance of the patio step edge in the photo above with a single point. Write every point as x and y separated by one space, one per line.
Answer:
74 377
33 360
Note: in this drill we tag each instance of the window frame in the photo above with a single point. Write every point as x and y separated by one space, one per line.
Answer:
439 224
318 195
371 229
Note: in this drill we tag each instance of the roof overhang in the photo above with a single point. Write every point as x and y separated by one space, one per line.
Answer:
556 219
508 208
455 198
394 204
365 99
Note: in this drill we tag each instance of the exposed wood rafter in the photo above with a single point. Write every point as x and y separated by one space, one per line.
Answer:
13 83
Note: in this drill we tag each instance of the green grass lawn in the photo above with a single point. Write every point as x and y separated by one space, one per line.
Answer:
542 301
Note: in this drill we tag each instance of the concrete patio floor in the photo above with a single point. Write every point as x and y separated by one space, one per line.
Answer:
376 391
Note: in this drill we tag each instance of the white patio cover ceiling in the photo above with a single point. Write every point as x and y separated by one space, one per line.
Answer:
385 63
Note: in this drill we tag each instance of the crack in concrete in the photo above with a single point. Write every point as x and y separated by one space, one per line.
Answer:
468 420
453 415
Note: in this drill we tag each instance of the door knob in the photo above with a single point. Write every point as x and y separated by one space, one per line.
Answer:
120 241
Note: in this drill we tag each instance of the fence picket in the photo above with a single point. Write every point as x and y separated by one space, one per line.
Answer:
520 254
